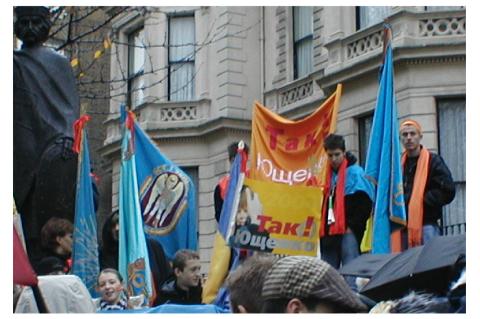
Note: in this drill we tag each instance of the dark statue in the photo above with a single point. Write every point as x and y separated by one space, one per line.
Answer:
45 106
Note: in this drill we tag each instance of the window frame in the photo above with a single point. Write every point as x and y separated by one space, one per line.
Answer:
297 43
172 63
132 77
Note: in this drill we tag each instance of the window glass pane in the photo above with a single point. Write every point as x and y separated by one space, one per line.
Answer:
181 81
302 36
136 62
364 128
372 15
303 22
136 52
304 58
181 58
182 39
452 148
137 91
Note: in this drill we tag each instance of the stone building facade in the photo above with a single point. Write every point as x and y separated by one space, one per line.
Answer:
191 74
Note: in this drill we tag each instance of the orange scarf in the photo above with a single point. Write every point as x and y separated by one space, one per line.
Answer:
415 206
339 226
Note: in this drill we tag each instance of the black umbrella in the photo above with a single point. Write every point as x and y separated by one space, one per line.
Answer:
427 267
365 265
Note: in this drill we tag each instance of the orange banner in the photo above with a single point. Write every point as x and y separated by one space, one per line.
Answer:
291 152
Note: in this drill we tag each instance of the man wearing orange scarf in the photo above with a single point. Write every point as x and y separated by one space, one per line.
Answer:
346 206
427 185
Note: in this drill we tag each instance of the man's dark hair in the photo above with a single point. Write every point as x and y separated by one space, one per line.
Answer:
53 228
232 150
333 142
246 282
182 256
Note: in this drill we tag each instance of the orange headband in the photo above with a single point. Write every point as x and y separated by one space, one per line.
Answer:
412 123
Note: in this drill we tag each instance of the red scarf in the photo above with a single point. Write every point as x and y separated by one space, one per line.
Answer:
339 226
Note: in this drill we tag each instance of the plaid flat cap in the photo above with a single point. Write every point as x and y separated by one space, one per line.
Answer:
306 277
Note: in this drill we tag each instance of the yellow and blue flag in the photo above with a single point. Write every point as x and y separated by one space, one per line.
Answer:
85 246
225 259
383 164
133 263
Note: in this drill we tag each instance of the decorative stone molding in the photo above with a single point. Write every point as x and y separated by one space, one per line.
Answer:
296 93
361 46
281 46
181 113
354 54
442 27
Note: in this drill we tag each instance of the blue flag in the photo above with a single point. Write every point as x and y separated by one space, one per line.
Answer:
85 246
167 197
383 164
133 263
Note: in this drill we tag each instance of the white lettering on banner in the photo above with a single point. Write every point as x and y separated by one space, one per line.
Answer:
245 239
275 174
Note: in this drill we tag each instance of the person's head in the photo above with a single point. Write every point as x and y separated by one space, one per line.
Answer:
110 232
334 146
32 24
232 150
186 267
410 136
242 218
246 282
50 266
307 284
110 285
56 236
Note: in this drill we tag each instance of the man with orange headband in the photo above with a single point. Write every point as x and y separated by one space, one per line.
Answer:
427 186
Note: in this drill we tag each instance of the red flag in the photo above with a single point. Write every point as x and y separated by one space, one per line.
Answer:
23 273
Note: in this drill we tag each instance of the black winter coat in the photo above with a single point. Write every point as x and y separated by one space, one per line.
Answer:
439 189
170 293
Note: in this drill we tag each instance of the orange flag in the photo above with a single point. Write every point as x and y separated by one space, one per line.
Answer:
291 152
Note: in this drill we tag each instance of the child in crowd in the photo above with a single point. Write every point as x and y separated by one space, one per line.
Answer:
112 292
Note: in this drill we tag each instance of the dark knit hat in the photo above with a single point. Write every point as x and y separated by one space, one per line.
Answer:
308 277
32 11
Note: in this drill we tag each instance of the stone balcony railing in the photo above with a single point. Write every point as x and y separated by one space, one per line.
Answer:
410 30
164 115
174 114
297 92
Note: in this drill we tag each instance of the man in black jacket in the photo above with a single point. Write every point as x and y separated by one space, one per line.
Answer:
186 286
427 185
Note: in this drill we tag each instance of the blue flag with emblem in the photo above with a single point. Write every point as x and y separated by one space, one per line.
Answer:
167 197
85 246
133 263
383 165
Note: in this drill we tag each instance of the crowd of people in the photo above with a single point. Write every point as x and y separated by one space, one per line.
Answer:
268 283
263 282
